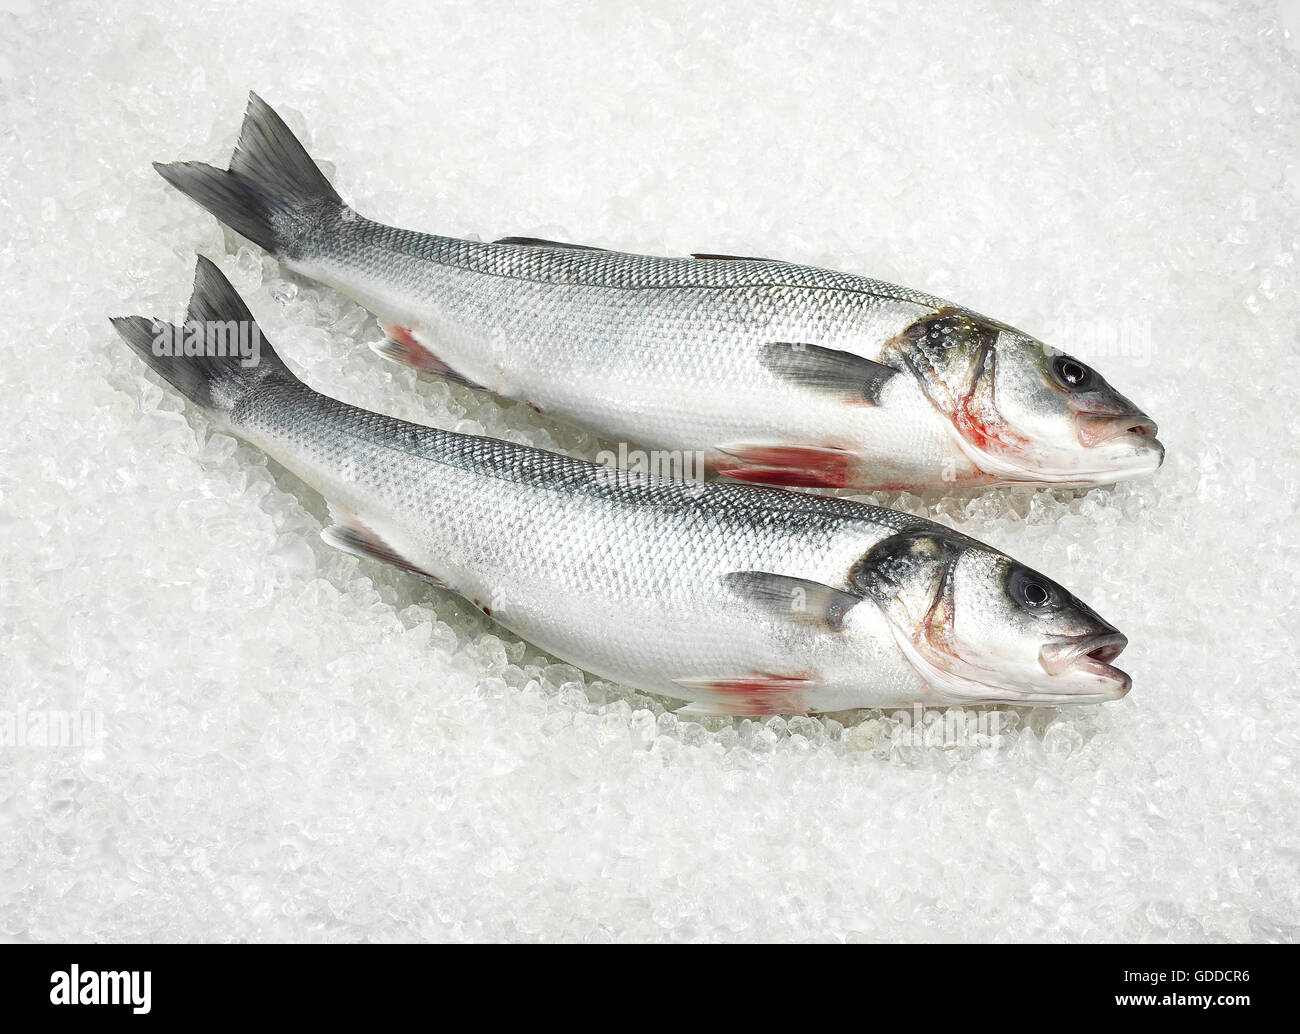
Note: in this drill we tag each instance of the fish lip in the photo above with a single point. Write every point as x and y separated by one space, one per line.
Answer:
1132 425
1127 439
1089 653
1150 445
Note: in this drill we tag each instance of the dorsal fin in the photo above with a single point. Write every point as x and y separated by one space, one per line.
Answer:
538 242
727 258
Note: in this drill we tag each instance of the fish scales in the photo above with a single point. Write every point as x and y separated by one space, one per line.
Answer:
738 599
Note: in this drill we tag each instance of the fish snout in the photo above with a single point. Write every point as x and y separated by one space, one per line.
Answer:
1097 428
1128 438
1087 659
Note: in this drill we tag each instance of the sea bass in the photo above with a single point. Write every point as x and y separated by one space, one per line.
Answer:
765 371
738 598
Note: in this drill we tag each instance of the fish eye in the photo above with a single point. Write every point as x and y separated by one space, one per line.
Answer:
1070 373
1035 595
1028 590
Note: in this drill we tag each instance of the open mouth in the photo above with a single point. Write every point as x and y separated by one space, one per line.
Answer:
1088 653
1096 430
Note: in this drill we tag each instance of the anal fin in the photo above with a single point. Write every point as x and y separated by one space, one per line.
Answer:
402 346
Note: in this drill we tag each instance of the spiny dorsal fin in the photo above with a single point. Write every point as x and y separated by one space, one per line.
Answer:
793 599
848 376
708 256
538 242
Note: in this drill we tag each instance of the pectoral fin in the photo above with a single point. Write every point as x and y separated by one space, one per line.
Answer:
843 375
799 600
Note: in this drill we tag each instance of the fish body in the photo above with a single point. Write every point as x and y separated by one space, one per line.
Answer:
663 353
772 372
735 598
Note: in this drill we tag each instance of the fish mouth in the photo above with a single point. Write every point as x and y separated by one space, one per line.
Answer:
1090 656
1133 427
1126 441
1082 665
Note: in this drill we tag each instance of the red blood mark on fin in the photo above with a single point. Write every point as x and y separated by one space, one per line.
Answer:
755 693
402 336
782 477
796 466
402 347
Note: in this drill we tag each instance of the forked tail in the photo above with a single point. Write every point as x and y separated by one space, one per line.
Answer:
218 356
273 193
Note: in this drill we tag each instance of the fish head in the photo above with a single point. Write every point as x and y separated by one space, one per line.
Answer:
980 627
1023 412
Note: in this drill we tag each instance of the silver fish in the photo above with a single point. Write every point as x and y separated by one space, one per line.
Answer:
765 371
738 598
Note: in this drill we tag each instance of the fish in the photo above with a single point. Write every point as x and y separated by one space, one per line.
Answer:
735 599
759 370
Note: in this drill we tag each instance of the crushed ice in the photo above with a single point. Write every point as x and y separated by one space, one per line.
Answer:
301 745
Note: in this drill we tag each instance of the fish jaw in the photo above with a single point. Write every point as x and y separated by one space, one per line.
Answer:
1085 660
1084 680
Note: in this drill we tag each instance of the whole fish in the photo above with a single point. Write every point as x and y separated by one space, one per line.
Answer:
764 371
739 598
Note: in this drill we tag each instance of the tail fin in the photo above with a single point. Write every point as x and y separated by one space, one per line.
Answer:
218 356
273 192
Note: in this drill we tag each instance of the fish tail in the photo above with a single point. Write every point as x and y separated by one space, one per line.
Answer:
218 357
273 193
